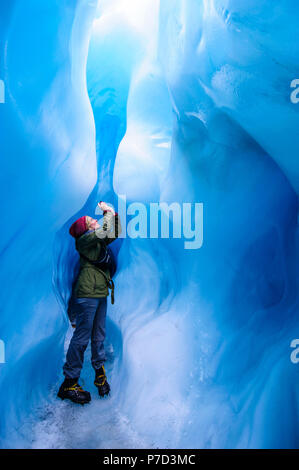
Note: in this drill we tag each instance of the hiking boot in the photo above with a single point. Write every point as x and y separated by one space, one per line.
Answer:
71 390
101 382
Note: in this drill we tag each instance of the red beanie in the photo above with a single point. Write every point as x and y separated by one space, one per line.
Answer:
78 227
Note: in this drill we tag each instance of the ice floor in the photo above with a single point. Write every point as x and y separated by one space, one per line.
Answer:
100 424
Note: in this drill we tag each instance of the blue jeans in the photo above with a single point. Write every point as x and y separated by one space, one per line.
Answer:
90 324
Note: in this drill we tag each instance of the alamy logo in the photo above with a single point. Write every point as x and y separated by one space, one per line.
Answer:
295 353
2 352
162 220
295 93
2 92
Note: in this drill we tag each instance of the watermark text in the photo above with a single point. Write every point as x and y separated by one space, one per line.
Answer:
2 352
162 220
295 353
295 93
2 92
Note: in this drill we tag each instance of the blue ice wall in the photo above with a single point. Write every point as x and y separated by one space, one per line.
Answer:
48 172
174 101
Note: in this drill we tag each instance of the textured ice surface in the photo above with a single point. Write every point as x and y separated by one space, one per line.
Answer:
64 425
185 101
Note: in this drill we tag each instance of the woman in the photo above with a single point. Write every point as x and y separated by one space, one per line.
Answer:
90 301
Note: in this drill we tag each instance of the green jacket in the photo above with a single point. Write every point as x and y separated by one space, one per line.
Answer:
92 282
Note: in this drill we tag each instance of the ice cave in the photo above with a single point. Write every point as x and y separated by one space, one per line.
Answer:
141 102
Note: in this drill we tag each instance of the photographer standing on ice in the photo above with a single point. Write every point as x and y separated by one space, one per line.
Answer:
90 301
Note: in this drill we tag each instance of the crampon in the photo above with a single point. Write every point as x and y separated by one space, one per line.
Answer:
101 382
74 392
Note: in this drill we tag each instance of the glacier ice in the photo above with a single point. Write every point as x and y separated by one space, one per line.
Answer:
170 100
